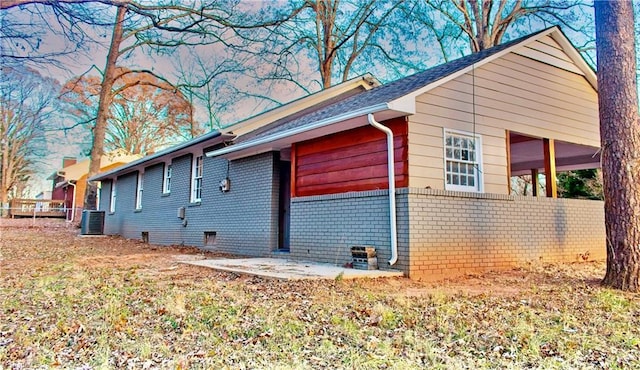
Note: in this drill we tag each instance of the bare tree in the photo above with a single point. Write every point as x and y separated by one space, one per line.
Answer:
338 37
155 27
427 21
620 141
27 28
146 115
486 22
26 105
210 82
351 36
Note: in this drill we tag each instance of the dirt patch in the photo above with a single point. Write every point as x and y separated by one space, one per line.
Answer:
513 282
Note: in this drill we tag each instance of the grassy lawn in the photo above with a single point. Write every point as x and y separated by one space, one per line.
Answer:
112 303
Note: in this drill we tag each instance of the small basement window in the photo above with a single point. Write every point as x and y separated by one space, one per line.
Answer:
209 238
145 237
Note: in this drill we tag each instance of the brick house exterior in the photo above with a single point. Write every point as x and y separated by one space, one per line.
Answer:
308 181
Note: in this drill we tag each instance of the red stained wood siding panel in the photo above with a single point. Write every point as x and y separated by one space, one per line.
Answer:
353 160
294 168
343 187
367 148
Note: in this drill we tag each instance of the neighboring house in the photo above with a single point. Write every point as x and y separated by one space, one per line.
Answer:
309 180
69 183
44 195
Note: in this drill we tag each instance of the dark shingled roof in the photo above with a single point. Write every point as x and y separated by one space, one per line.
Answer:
389 92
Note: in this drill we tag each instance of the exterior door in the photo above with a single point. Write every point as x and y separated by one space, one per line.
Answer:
284 205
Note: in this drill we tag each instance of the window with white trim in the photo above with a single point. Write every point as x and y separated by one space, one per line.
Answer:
462 161
112 201
139 188
99 196
166 181
196 179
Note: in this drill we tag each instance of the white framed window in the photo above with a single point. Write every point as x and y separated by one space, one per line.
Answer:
166 179
112 200
139 189
98 197
196 179
462 161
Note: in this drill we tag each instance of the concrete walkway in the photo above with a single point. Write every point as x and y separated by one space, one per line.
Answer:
283 269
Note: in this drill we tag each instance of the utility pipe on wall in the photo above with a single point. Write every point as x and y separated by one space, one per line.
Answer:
392 187
73 201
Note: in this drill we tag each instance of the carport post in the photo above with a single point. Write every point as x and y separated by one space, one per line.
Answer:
535 182
550 167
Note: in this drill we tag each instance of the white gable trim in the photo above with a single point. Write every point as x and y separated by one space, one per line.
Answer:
408 101
575 56
548 59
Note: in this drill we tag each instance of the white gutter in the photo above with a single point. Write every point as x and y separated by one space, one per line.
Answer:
392 187
73 201
298 130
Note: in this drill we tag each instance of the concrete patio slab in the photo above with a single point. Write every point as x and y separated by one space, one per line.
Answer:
283 269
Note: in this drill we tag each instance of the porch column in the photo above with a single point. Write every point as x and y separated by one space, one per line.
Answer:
535 182
508 145
550 167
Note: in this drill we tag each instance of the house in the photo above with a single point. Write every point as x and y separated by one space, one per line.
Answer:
69 182
311 179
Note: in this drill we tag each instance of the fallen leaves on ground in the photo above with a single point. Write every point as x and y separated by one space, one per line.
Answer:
107 302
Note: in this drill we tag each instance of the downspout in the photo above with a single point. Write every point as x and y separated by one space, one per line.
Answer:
392 188
73 201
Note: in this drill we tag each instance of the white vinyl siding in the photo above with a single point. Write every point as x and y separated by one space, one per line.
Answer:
510 93
462 161
139 189
112 200
166 180
196 179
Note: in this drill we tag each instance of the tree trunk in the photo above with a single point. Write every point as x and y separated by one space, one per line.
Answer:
100 128
620 141
4 180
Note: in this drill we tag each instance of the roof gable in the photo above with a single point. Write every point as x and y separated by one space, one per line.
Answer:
400 95
571 60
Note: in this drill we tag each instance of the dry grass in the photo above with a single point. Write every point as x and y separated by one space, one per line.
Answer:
112 303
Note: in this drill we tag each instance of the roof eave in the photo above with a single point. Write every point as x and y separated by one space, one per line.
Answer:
162 155
367 81
265 143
